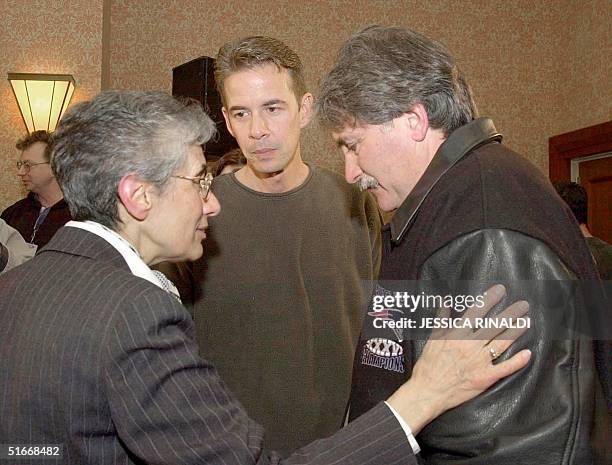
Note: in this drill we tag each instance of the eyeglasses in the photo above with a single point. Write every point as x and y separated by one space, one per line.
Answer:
26 165
204 183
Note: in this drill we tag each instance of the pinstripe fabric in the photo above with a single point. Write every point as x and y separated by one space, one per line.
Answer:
104 363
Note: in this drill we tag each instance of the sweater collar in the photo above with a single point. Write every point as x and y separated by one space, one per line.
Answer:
33 199
461 142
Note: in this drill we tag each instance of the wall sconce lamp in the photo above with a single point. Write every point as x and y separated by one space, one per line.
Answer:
42 98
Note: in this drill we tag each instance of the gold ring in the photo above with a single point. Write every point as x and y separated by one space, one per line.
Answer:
493 353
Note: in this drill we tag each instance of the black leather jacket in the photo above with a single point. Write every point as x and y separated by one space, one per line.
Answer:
484 214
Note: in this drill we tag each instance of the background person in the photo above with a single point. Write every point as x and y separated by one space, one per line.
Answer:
230 162
38 216
14 250
576 198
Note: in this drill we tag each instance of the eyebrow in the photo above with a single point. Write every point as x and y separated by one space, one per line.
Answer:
237 107
267 103
275 101
341 141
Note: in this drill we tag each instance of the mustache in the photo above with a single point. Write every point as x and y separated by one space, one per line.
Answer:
366 182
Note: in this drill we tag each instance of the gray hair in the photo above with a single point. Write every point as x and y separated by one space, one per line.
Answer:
119 133
382 72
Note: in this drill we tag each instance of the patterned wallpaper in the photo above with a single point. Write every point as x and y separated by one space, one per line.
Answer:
538 68
36 36
519 55
586 85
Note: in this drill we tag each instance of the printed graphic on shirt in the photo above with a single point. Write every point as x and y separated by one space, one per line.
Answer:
383 353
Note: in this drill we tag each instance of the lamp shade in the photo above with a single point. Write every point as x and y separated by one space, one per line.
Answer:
42 98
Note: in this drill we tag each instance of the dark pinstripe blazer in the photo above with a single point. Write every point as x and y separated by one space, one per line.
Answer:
103 362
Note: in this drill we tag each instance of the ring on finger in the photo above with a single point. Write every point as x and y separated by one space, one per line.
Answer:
494 354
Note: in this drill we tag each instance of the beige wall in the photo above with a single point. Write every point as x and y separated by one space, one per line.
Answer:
58 37
538 68
586 81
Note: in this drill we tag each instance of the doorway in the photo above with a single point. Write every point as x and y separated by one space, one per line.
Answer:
585 156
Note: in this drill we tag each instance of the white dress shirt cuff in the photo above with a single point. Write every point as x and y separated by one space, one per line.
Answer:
411 439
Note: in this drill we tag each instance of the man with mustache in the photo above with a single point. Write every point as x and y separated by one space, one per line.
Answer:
43 211
279 298
467 210
98 364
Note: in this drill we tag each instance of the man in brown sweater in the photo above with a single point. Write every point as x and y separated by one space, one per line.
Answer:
279 299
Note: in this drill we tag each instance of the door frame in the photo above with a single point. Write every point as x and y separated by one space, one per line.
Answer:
562 149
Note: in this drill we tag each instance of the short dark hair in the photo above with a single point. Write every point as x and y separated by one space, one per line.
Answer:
34 137
251 52
117 133
382 72
576 198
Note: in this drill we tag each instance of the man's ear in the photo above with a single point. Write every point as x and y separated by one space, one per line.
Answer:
306 109
135 195
418 122
227 121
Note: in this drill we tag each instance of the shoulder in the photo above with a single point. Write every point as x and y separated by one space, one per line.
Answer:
17 206
475 192
60 205
128 307
597 243
492 164
89 272
146 306
328 181
222 181
602 252
331 178
130 293
332 189
513 251
497 167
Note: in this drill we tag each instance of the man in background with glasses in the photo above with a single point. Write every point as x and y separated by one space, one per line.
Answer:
38 216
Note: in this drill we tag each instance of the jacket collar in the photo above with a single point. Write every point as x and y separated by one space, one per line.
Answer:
461 142
31 197
83 243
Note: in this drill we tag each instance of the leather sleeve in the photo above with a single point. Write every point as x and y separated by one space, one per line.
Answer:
542 413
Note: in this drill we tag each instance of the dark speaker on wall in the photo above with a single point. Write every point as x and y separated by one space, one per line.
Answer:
196 79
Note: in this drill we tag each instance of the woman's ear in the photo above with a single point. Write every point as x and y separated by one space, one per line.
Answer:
135 195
